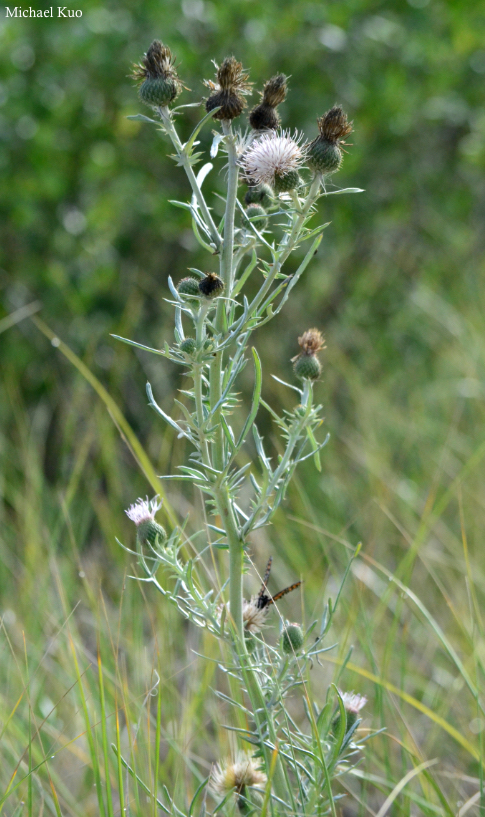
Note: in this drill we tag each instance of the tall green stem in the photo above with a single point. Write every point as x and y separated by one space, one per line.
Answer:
232 182
226 273
261 712
198 368
236 557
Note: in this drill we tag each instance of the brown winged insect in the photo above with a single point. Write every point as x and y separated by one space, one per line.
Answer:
264 599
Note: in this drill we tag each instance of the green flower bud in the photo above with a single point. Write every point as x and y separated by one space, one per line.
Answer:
148 531
159 91
249 640
353 703
292 638
308 367
188 345
290 181
306 364
261 194
142 513
324 157
188 286
257 214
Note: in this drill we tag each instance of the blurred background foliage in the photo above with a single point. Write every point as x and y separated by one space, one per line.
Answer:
88 238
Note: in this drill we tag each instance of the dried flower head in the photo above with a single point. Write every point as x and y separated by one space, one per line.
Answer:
334 125
306 365
275 90
273 156
144 510
156 76
211 286
325 152
229 90
237 775
264 115
311 342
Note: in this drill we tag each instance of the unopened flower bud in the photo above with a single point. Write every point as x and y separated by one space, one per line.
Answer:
188 286
188 345
257 215
260 194
211 286
325 152
156 76
229 90
292 638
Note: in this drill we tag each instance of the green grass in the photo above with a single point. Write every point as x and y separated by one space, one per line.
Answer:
91 660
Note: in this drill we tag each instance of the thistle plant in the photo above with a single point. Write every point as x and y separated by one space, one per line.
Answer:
270 199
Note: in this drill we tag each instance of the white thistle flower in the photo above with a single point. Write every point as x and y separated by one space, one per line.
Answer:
254 617
144 510
353 702
273 155
244 771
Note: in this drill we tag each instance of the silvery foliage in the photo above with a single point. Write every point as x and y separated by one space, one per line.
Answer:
300 765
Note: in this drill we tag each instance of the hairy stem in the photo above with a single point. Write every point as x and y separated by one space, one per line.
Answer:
232 182
184 160
226 273
200 335
262 714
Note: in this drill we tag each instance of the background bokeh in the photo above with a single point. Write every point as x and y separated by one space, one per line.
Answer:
87 240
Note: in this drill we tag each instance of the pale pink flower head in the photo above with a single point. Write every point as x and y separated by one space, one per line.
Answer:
353 702
273 155
144 510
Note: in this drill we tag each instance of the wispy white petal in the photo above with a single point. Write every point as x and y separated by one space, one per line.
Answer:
143 510
273 155
235 775
353 702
